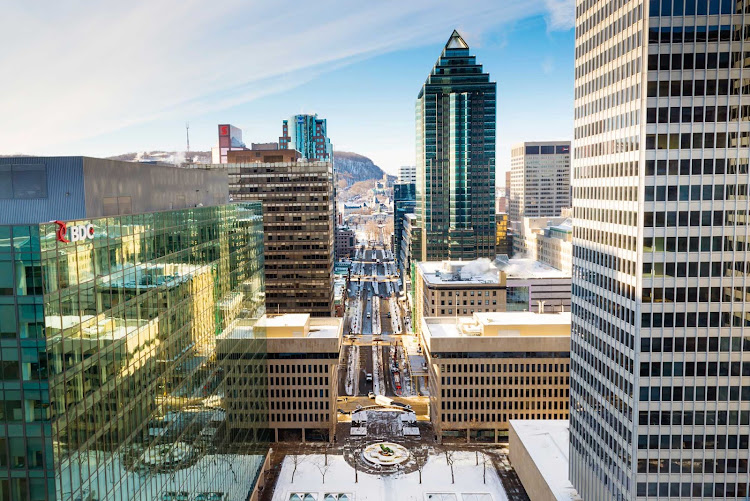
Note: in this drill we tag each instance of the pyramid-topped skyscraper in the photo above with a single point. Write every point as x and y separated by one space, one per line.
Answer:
456 157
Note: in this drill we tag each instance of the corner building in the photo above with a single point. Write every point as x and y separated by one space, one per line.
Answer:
455 114
659 393
110 384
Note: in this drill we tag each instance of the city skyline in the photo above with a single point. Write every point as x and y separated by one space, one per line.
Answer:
368 69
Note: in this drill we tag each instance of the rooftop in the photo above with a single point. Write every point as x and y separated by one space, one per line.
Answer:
501 324
547 442
529 268
479 271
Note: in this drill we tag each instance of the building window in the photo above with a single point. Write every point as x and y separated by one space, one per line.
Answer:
23 181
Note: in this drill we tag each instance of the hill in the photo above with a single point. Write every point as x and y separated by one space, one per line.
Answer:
353 167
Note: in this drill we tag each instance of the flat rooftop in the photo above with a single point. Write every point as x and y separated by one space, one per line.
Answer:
529 269
501 324
547 442
479 271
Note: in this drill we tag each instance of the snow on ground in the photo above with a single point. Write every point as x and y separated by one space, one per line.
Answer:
352 370
377 367
395 315
376 330
436 479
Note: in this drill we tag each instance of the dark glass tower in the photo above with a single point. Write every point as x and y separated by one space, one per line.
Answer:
456 157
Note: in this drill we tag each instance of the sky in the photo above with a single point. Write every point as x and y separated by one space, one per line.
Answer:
110 77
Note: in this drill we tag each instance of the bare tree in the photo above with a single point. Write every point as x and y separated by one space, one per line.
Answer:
420 458
323 469
485 460
450 457
296 461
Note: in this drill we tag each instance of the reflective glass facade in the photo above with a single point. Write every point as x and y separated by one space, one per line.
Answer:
455 116
111 388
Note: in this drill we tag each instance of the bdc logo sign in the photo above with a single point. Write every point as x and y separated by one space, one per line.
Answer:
73 233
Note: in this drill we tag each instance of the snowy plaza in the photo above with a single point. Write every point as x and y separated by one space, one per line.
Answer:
340 483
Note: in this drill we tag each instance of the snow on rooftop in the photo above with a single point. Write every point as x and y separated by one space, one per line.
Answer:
481 271
530 268
472 326
323 331
547 442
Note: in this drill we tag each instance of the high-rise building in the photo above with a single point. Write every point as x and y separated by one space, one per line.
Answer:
517 365
346 242
404 202
298 223
455 114
539 179
109 321
659 399
308 135
407 174
230 139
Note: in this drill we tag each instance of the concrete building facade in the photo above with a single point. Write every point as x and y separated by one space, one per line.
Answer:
302 376
489 368
407 174
298 224
346 242
458 288
531 285
539 179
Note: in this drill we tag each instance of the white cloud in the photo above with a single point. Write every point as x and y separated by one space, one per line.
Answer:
560 14
75 70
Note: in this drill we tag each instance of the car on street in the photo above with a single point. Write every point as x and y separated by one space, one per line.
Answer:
371 395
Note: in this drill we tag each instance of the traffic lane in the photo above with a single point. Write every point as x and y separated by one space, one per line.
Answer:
385 321
365 386
387 373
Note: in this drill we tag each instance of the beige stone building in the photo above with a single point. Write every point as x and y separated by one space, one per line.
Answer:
489 368
539 455
469 286
299 375
298 225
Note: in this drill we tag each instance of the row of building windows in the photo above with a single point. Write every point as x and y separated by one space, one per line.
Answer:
300 418
676 465
697 140
689 418
708 442
301 405
695 489
496 418
607 170
693 393
702 344
689 114
671 8
700 319
679 34
687 167
533 393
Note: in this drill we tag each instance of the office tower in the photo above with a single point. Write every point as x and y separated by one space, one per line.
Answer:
298 222
299 408
346 242
455 114
503 241
407 174
539 179
308 135
109 322
230 139
519 363
404 202
659 409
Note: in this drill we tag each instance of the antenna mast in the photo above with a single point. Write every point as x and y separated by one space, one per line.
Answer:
187 133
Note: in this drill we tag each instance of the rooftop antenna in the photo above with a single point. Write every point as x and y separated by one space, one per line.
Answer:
187 133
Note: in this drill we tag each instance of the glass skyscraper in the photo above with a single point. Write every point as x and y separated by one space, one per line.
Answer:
660 403
456 121
111 388
307 134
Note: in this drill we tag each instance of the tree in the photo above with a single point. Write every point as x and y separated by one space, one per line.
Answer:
420 458
485 460
296 461
323 469
450 459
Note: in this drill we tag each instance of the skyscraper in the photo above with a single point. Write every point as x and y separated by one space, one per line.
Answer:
540 179
109 319
455 114
658 405
307 134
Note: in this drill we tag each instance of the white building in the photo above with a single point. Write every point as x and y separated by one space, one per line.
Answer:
539 179
531 285
660 407
407 174
546 239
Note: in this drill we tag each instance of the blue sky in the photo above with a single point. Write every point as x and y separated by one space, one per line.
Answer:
120 77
